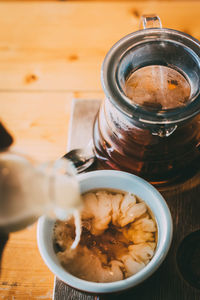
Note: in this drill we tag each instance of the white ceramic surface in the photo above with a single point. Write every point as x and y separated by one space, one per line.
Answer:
122 181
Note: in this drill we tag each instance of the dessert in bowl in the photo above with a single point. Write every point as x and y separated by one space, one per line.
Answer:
139 204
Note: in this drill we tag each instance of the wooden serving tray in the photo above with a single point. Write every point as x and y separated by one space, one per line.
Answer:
179 275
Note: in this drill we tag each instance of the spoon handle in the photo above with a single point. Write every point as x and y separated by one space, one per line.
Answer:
82 158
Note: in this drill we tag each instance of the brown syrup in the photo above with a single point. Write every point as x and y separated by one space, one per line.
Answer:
158 160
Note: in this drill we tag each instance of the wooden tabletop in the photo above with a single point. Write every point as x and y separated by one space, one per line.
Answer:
50 53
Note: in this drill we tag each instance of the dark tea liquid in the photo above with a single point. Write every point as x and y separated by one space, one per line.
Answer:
157 86
123 144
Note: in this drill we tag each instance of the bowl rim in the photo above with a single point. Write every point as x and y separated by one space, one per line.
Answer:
164 241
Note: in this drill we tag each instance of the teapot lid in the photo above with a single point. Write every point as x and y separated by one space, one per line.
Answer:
153 47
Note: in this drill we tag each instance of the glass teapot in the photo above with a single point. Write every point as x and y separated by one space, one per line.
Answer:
149 123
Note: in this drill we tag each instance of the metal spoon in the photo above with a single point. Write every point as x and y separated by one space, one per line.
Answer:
81 158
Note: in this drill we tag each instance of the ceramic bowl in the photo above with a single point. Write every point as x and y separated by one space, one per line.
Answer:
120 181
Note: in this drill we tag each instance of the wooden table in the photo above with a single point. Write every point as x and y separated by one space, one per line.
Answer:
50 53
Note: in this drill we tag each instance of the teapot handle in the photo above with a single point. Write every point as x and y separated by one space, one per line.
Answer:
150 21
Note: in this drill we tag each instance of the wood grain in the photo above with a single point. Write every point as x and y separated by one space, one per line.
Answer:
39 124
24 274
39 121
50 53
80 0
61 45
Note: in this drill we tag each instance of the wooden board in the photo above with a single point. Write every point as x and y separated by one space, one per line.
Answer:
60 46
79 0
167 283
39 123
50 53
